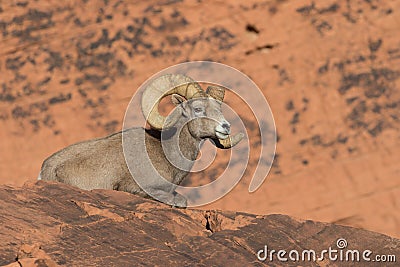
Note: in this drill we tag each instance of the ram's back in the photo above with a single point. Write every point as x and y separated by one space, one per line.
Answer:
88 165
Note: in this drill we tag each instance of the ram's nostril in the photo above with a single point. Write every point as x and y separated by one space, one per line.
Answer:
226 126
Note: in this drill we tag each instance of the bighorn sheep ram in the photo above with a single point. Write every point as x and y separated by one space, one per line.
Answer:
100 163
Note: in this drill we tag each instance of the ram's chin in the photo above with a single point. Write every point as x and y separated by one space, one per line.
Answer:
221 136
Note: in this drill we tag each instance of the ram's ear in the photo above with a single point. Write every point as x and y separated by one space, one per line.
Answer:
177 99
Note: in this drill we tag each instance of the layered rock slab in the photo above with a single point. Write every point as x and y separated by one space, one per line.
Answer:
50 224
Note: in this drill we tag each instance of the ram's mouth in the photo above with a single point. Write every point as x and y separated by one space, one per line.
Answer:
221 135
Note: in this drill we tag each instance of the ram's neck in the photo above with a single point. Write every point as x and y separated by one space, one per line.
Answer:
180 147
189 145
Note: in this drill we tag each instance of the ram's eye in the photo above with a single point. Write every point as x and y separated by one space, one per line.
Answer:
198 110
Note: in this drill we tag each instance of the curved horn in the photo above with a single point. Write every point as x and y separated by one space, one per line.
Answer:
216 92
164 86
229 142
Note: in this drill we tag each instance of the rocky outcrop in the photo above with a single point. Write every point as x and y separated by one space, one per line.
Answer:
50 224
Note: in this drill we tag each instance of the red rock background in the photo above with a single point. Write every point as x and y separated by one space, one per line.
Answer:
329 69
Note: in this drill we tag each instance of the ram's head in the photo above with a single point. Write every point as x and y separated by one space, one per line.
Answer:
202 109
